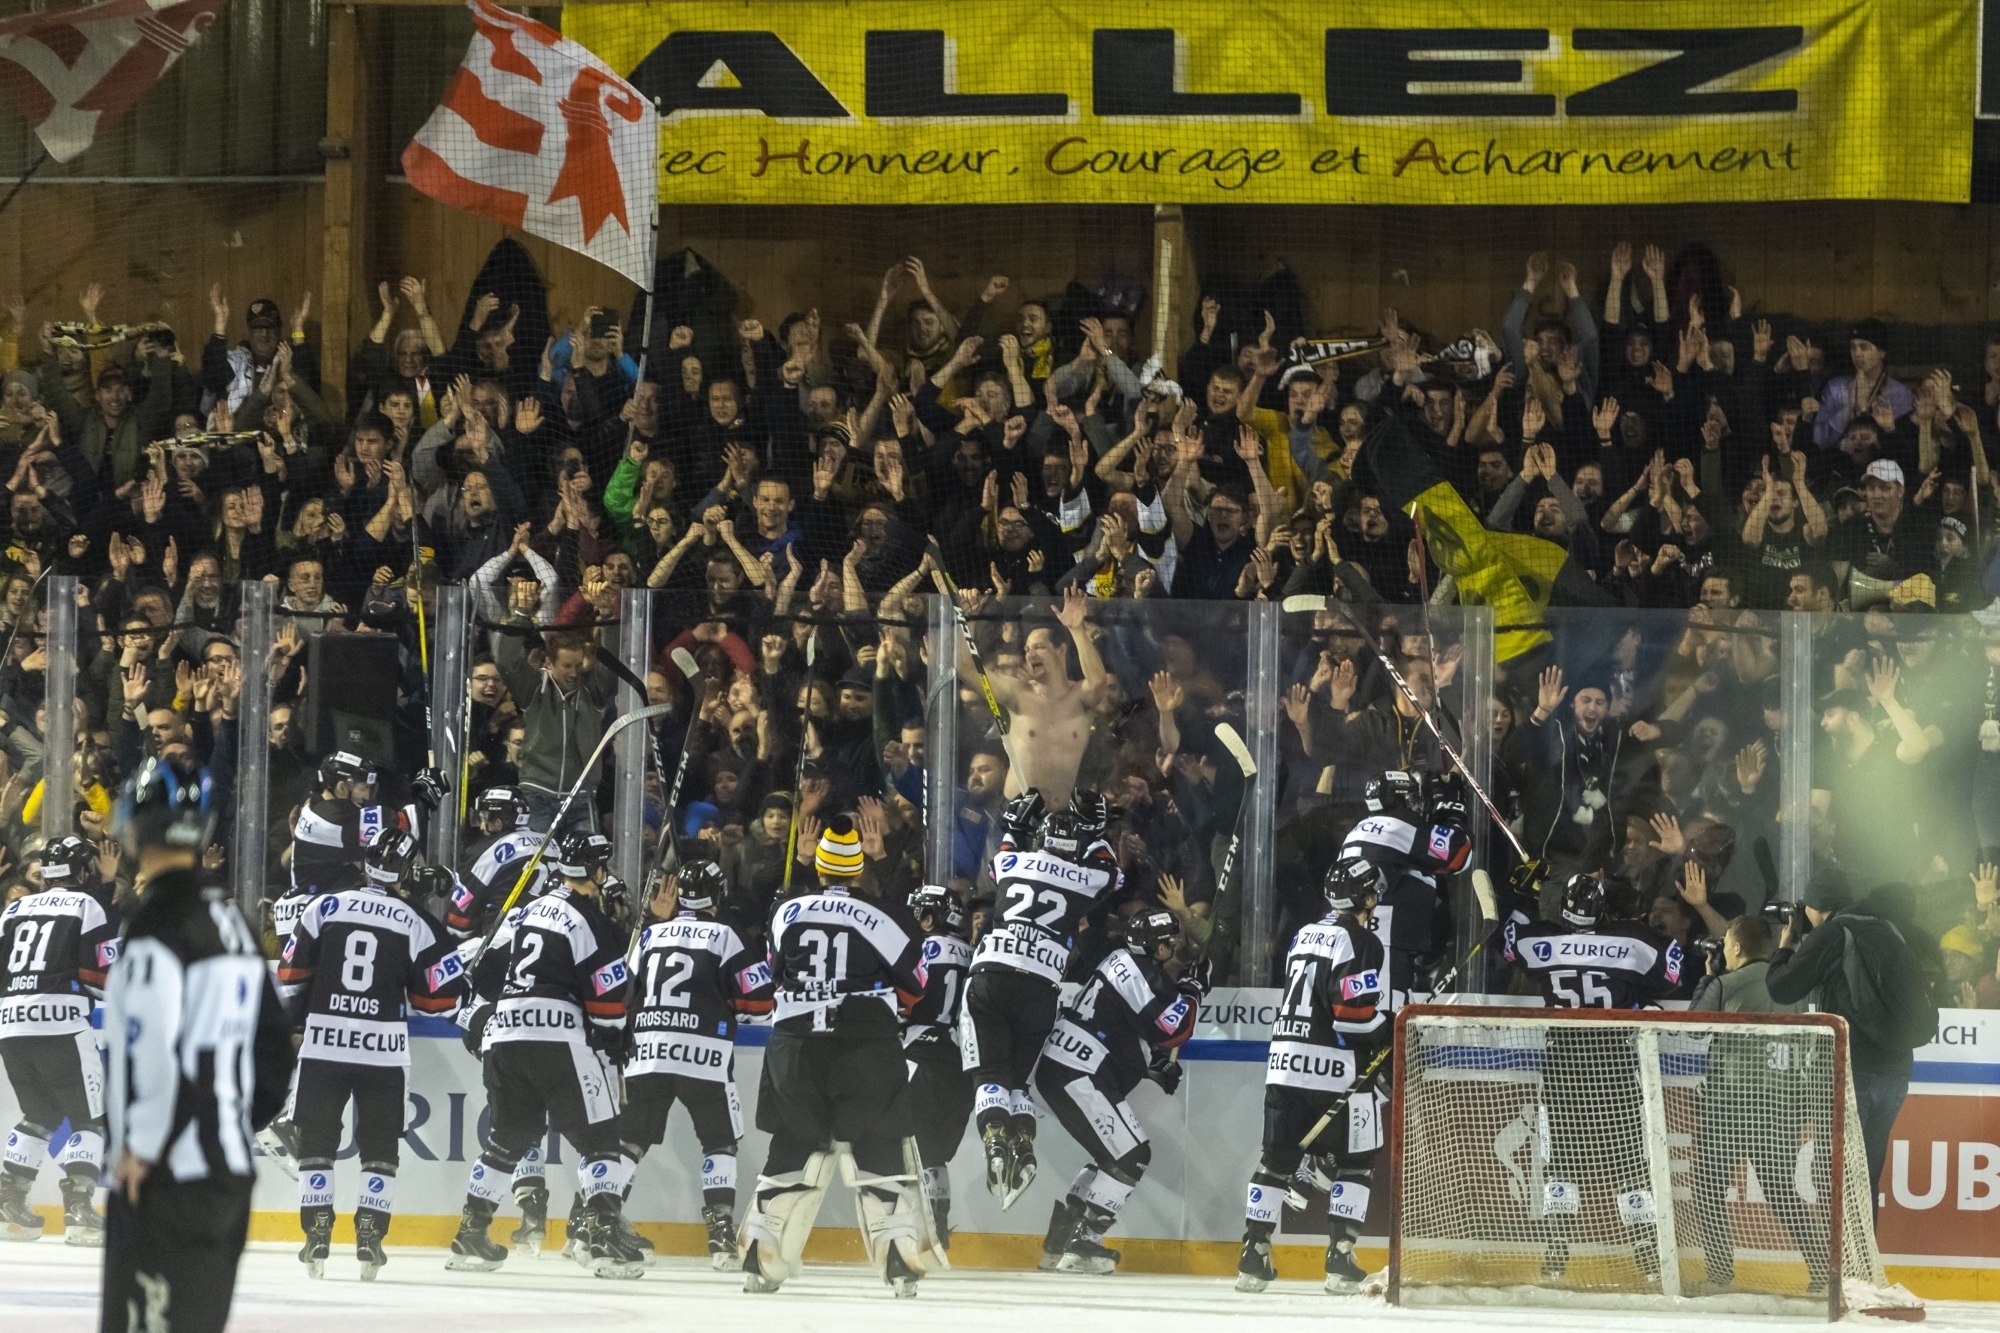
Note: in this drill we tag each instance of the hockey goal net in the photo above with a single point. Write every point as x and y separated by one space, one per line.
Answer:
1630 1160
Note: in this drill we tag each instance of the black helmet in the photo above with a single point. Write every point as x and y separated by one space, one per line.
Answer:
575 855
345 766
1064 835
505 802
390 856
1093 812
702 885
160 808
1150 929
1583 900
69 863
1352 879
940 904
1393 790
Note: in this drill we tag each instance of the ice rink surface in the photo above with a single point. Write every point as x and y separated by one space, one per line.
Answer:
46 1287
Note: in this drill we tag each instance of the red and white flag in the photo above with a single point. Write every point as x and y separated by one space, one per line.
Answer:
540 134
72 73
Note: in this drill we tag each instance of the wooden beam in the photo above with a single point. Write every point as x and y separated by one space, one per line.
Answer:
352 181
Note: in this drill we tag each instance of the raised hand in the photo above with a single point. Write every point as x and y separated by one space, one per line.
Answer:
1667 835
1604 416
1750 766
1167 692
1550 692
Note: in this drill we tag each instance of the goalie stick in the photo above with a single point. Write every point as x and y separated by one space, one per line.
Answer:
698 683
799 774
949 590
569 797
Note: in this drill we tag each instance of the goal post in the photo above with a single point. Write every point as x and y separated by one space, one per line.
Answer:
1629 1160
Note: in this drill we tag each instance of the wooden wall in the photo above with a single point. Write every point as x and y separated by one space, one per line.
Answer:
158 248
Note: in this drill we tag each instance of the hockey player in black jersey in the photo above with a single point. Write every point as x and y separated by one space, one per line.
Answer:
833 1073
941 1088
693 975
1415 831
354 962
1592 1131
55 948
199 1058
493 865
71 863
1120 1030
1331 1023
557 976
1041 895
330 836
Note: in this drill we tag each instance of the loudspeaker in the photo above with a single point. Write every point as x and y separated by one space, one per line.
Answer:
351 695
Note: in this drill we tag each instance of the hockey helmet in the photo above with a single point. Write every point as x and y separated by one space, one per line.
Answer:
1583 900
390 855
160 808
345 766
579 855
504 804
1393 790
1147 931
1352 879
940 904
1064 835
701 885
1093 812
69 863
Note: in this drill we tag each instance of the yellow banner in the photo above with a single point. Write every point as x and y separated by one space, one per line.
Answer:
1297 101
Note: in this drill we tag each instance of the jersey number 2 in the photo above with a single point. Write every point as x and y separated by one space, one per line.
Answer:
667 990
1021 899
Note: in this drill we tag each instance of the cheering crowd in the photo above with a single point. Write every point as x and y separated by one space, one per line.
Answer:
796 495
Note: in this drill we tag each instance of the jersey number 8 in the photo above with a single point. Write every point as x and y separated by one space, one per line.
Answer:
358 970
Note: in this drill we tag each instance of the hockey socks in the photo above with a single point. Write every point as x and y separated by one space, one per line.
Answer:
718 1181
27 1149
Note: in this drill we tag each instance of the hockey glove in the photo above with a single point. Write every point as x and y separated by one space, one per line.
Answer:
475 1031
1165 1071
1195 982
429 787
1526 878
614 1044
1023 815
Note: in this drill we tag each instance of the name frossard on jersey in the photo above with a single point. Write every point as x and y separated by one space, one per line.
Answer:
692 979
1039 901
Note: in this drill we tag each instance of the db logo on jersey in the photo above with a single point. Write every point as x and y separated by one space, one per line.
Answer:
462 898
290 945
1360 983
1542 950
609 977
1674 957
107 952
1441 843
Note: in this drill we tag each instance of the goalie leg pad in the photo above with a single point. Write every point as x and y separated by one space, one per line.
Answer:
887 1206
783 1213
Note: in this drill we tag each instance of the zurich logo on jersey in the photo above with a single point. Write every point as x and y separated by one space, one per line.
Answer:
504 852
1256 1194
318 1181
1008 861
599 1169
1542 949
707 1165
329 905
790 914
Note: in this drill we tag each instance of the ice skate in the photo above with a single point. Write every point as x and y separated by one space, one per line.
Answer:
472 1250
1254 1269
279 1141
721 1237
1062 1225
902 1278
609 1254
534 1227
1344 1275
82 1224
368 1233
576 1246
1021 1168
1085 1255
17 1221
999 1161
319 1243
754 1280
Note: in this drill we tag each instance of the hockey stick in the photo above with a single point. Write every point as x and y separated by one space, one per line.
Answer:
1232 741
698 683
1482 885
799 774
913 1167
528 870
949 590
1314 602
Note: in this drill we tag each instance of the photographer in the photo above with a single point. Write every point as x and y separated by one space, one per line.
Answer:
1850 962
